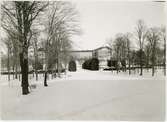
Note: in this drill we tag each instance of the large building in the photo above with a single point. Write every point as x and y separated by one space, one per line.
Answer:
81 54
102 53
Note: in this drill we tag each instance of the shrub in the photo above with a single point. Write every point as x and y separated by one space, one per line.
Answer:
123 63
109 63
38 66
94 64
91 64
112 63
72 66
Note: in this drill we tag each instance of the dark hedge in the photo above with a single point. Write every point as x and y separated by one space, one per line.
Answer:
72 66
91 64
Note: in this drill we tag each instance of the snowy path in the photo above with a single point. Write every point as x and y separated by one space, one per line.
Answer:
117 98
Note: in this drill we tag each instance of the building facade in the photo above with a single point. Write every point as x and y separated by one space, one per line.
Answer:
102 53
80 56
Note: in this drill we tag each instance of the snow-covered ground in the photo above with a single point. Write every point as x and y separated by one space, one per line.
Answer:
87 95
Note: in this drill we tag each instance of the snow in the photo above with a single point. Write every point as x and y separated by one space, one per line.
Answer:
87 95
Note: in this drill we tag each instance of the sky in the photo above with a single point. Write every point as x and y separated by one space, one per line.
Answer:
102 20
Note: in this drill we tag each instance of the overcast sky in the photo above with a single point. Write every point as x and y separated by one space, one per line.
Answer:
101 20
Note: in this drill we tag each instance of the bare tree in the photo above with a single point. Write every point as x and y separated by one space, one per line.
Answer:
60 25
35 49
65 54
128 47
163 37
118 51
12 43
8 43
19 16
148 55
153 38
141 32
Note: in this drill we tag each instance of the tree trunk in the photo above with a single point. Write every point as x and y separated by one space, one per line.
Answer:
147 65
58 71
45 79
52 74
165 57
24 72
13 71
129 63
129 67
8 64
141 70
36 72
117 67
141 64
19 76
153 62
125 67
165 68
19 72
117 62
36 60
153 70
16 71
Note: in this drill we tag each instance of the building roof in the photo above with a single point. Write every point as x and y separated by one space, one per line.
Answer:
41 49
102 48
81 51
